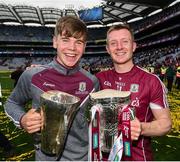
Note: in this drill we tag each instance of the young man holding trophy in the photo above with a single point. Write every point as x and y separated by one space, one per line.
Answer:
148 94
62 74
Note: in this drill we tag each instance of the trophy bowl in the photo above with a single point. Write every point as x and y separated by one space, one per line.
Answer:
111 103
58 110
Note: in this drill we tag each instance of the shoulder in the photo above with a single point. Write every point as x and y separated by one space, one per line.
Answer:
30 72
145 74
152 80
88 74
104 73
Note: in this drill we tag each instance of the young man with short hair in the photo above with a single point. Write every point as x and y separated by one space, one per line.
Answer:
63 74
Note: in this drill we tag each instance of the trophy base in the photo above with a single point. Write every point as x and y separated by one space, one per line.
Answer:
49 154
105 156
106 149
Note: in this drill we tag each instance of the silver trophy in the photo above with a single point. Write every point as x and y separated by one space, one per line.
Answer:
58 110
111 103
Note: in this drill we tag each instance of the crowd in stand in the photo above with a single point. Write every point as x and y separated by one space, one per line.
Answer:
11 63
164 55
157 18
154 55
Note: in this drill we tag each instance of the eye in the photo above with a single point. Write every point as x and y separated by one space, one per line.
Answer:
125 41
65 39
79 42
112 43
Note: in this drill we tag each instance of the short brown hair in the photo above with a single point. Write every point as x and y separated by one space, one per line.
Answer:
72 26
119 27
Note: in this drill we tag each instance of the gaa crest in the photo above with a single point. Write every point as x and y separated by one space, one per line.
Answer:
134 88
82 86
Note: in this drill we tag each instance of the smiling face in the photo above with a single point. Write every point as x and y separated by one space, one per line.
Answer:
69 40
120 46
69 50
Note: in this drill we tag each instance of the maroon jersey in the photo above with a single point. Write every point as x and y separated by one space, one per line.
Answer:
147 92
54 76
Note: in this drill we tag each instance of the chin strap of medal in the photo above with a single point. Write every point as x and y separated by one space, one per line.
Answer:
123 145
94 134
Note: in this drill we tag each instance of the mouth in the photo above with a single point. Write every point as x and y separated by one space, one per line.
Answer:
70 54
71 57
120 53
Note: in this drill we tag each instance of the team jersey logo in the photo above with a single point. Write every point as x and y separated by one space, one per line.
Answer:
135 102
134 88
107 83
82 86
48 84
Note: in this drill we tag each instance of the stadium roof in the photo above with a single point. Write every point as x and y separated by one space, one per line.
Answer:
112 11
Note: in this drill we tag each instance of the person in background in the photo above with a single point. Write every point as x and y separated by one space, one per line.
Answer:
157 70
15 75
170 73
64 74
163 72
148 93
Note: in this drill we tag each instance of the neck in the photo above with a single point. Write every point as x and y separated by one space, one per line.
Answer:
123 68
67 67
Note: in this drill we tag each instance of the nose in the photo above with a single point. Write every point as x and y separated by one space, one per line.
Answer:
119 45
72 46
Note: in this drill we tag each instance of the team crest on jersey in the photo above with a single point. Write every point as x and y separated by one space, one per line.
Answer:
134 88
82 86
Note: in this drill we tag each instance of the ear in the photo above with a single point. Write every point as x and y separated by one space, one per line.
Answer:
134 46
55 42
107 49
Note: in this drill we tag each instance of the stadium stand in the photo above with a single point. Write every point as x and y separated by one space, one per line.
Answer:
157 36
